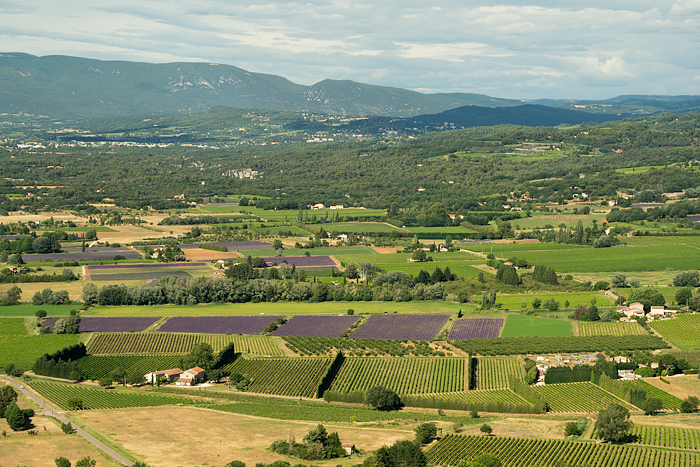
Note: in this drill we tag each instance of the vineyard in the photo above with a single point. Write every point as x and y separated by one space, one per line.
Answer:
519 452
669 401
613 328
323 346
497 396
96 366
578 397
542 345
158 343
668 437
403 375
297 377
682 330
98 398
493 372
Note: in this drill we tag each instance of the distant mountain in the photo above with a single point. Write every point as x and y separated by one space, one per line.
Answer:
528 114
79 88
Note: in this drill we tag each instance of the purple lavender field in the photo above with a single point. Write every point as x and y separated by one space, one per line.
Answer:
302 261
218 324
86 255
411 327
475 328
147 265
316 326
232 246
96 324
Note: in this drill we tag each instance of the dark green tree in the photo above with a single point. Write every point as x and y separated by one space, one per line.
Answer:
62 462
426 432
401 454
613 424
381 398
15 416
652 405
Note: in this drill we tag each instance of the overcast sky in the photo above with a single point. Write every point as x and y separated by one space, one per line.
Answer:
516 49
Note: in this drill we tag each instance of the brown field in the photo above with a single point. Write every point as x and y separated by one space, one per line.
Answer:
681 386
206 437
537 428
18 448
201 254
386 249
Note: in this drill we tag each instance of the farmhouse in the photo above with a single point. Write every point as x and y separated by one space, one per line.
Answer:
170 374
191 377
634 310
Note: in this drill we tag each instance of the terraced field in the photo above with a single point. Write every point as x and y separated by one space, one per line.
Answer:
403 375
578 397
493 372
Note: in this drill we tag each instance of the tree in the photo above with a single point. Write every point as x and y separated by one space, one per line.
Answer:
201 355
277 244
234 464
318 435
536 303
619 281
486 429
118 374
648 297
90 293
651 405
68 325
86 462
366 269
419 255
15 416
135 377
62 462
572 429
41 245
690 404
687 279
381 398
613 424
75 403
401 454
426 432
7 396
14 293
351 271
485 460
684 295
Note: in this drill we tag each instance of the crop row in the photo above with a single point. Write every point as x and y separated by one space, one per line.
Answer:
475 328
669 401
414 327
97 398
359 347
680 328
578 397
666 436
403 375
541 345
613 328
96 366
493 372
521 452
160 343
298 377
495 396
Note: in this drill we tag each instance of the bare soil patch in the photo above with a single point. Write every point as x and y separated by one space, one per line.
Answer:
201 254
537 428
681 386
386 249
175 436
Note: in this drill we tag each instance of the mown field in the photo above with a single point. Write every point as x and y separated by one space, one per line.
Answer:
22 351
516 301
522 326
25 309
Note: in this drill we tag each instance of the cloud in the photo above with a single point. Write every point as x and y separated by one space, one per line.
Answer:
508 48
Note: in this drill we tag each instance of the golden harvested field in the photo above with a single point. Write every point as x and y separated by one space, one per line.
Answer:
201 254
206 437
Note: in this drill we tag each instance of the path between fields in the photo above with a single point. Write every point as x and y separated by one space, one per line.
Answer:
50 411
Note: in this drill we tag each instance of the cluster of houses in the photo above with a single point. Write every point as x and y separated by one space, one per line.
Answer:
180 378
636 310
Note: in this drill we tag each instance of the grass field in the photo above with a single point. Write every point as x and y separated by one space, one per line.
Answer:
22 351
515 301
683 330
279 308
29 310
588 259
522 326
12 327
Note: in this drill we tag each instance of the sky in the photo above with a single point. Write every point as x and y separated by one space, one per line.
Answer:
513 49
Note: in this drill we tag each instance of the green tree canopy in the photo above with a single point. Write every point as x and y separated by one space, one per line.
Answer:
613 424
381 398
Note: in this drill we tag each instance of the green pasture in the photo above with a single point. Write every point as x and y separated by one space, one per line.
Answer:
452 230
619 258
354 227
322 251
403 258
556 219
505 249
532 326
646 241
515 301
282 308
12 327
29 310
22 351
641 169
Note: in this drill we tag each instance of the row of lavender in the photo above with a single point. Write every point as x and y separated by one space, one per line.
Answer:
393 327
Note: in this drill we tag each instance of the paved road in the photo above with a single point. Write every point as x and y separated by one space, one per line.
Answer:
52 412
